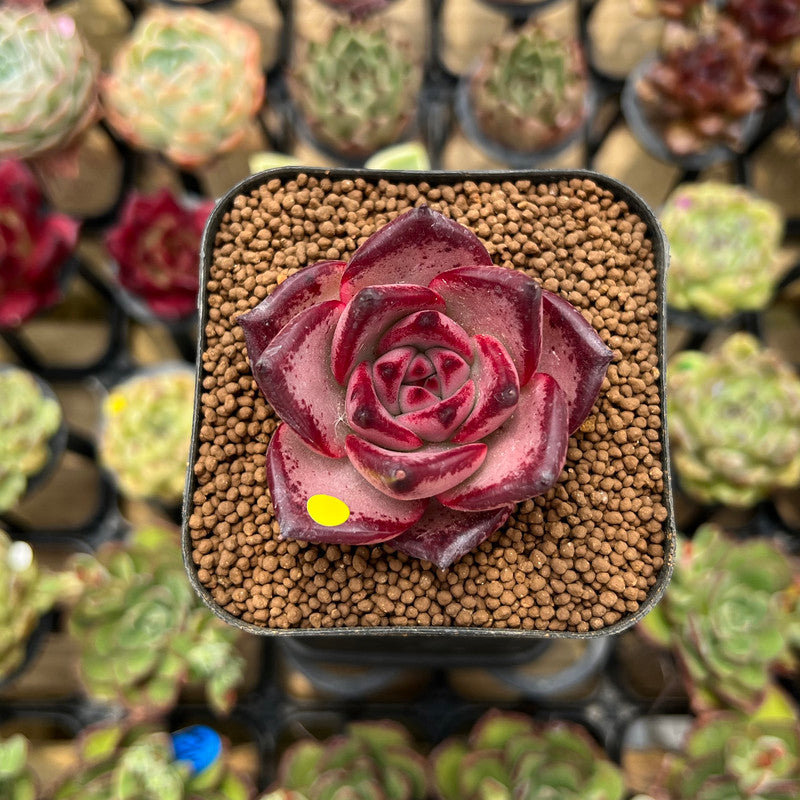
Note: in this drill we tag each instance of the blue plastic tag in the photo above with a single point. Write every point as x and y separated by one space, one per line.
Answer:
198 745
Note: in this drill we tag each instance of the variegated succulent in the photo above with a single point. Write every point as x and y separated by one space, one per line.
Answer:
28 421
27 594
529 90
507 755
17 781
730 615
734 418
124 762
723 243
142 631
735 756
369 761
147 431
186 84
47 81
357 89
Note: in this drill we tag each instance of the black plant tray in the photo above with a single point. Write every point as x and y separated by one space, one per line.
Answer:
405 639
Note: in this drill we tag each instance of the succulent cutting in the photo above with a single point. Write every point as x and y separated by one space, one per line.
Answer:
125 762
48 81
156 245
17 781
423 390
734 421
143 632
186 84
529 90
730 615
737 757
27 594
369 761
147 428
28 421
507 755
724 243
34 245
699 93
356 89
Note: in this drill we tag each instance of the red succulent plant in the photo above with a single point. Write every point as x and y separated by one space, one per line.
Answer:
423 390
156 245
34 246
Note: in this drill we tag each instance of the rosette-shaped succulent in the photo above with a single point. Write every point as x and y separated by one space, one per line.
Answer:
33 246
143 632
47 83
733 756
723 243
357 89
147 433
734 422
508 755
123 762
774 27
698 94
28 421
369 761
423 390
156 246
730 615
17 781
27 594
529 90
186 83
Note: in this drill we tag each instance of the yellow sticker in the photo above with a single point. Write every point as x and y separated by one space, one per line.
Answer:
117 403
326 510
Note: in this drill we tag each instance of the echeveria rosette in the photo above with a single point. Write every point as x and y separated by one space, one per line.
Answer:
156 245
730 616
34 246
424 387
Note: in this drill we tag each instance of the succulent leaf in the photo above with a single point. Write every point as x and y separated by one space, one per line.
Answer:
17 781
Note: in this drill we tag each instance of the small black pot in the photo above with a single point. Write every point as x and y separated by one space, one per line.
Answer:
410 640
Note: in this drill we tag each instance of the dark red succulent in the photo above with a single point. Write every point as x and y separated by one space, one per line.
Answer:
699 94
423 390
156 245
34 246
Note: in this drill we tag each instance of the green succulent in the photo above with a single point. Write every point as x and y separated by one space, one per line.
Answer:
147 434
529 91
28 420
27 594
507 756
357 90
734 756
370 761
731 615
143 632
723 244
120 762
734 422
47 81
186 84
17 781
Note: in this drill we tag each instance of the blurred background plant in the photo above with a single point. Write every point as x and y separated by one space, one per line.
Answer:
17 781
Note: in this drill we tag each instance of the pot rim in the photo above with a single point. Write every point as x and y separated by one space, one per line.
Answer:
661 260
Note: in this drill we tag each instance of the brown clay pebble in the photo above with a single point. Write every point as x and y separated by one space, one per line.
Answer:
577 558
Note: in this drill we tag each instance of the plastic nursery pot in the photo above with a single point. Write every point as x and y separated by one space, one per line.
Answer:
650 138
55 444
516 159
209 522
521 10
